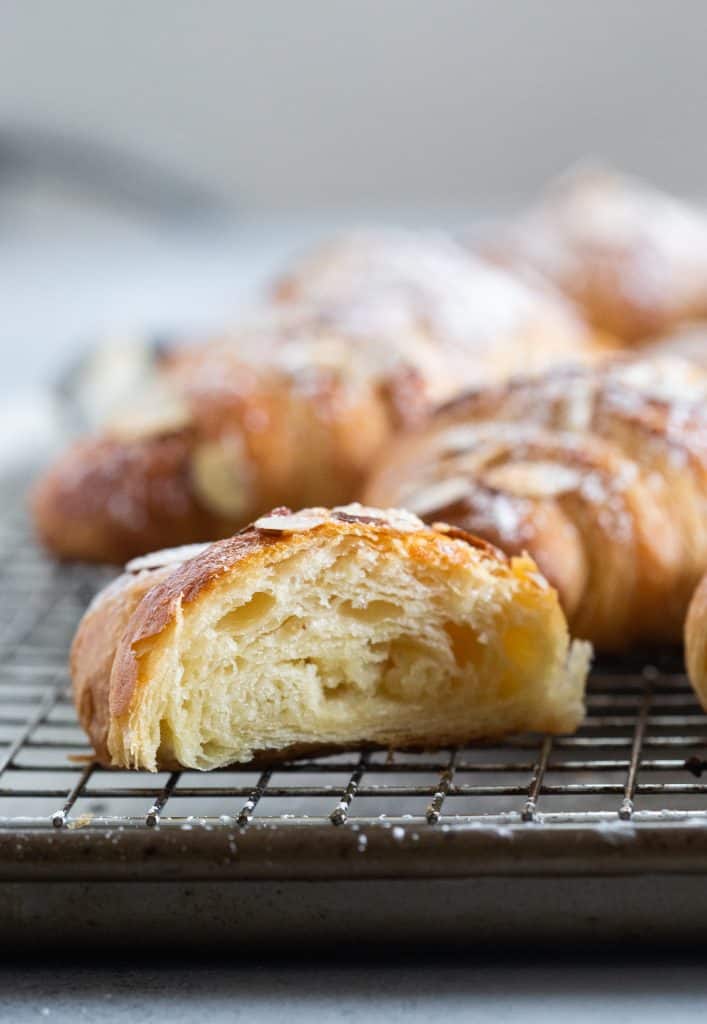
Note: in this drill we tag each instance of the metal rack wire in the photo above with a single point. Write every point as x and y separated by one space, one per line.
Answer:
638 757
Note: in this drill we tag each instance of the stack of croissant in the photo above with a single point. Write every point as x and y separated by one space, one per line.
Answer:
541 384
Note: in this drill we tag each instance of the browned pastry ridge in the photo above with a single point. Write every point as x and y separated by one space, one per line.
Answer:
320 630
633 259
696 642
601 475
277 413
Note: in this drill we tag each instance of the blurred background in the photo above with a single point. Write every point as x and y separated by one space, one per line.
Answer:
156 160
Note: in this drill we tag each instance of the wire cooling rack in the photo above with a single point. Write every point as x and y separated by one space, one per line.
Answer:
638 758
634 767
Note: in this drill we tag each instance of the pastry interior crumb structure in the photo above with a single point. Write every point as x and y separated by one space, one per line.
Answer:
319 631
638 758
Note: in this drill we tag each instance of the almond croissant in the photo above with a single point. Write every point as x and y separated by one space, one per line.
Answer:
634 259
483 322
282 410
600 474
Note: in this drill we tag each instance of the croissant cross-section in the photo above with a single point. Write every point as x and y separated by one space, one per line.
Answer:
319 631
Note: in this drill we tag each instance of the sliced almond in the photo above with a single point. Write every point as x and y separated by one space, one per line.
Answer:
396 518
438 495
222 476
536 479
297 523
155 416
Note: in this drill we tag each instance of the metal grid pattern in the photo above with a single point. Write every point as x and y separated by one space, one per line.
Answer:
639 756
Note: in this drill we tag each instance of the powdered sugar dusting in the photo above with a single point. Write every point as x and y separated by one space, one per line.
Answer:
656 243
393 284
663 378
595 434
417 274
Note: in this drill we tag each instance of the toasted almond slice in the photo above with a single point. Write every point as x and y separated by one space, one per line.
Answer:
289 524
438 495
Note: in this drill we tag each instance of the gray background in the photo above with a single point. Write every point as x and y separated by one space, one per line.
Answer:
289 105
298 118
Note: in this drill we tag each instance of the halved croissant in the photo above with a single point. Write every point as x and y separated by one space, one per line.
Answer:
633 259
319 630
696 642
600 474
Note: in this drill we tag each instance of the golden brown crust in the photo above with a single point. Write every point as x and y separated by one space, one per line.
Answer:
138 607
600 474
109 499
93 651
540 527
